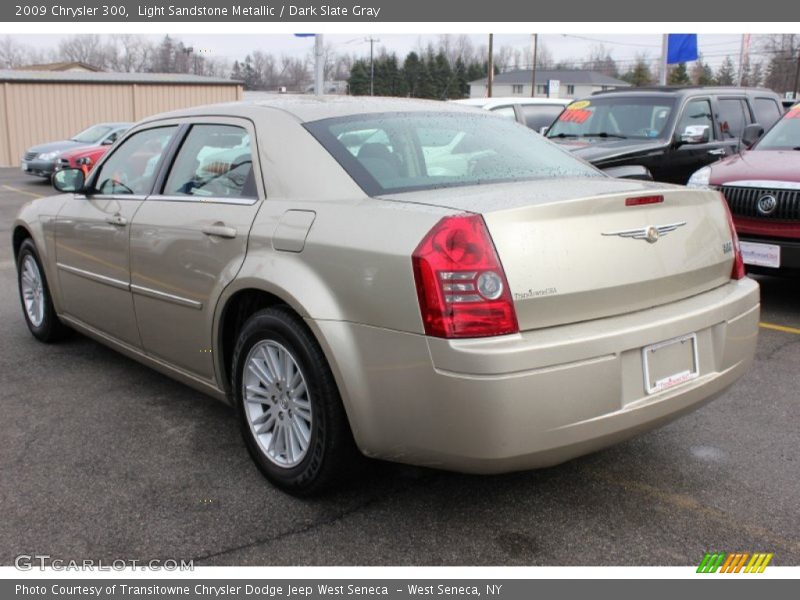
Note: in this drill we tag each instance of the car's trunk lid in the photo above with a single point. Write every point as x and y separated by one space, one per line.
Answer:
573 250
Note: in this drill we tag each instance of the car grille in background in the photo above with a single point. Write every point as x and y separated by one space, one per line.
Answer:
744 202
29 156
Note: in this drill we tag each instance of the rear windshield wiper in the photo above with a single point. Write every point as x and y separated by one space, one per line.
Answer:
605 134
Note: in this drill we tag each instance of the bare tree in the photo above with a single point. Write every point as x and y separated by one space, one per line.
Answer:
88 49
12 53
600 60
132 54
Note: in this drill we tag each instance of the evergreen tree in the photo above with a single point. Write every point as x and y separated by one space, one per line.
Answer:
639 74
702 74
236 72
726 75
358 82
412 72
461 80
679 76
441 76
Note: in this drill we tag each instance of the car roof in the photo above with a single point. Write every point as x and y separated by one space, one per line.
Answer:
312 108
689 90
113 125
503 101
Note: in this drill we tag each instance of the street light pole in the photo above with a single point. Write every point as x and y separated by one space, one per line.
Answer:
319 66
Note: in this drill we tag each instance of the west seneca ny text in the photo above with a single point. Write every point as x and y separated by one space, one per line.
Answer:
278 11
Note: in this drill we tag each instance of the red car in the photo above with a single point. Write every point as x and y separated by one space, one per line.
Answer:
762 187
81 158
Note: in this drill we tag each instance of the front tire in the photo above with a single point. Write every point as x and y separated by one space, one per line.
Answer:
290 411
34 294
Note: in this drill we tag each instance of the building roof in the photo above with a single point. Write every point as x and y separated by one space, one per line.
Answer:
60 66
565 76
104 77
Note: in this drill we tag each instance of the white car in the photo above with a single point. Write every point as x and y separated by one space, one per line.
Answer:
536 113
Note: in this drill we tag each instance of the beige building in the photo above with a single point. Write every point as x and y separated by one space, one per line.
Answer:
46 106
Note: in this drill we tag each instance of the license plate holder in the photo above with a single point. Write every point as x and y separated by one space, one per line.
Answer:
761 255
670 363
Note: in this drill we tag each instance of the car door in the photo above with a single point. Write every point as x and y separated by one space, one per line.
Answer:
683 159
188 240
92 236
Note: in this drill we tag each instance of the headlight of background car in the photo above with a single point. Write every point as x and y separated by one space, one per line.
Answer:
699 178
84 160
48 155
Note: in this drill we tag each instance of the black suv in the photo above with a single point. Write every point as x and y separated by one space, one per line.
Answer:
670 131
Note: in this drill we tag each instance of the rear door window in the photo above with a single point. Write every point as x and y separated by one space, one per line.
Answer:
213 161
732 117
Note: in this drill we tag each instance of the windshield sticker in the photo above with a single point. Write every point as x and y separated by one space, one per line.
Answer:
579 105
575 116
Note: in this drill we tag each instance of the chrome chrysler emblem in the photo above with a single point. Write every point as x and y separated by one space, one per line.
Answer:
651 233
766 204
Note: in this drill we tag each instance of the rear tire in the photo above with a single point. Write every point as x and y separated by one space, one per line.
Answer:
34 294
290 411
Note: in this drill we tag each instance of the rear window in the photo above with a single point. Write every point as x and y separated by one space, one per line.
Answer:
540 115
400 152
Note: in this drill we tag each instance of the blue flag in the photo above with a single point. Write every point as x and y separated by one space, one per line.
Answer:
681 47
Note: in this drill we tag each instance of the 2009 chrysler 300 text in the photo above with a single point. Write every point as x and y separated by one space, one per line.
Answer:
414 280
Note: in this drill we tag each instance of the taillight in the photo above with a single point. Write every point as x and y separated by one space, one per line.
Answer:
738 271
461 285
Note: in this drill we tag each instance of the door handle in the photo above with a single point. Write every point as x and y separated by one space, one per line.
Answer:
220 230
717 152
118 220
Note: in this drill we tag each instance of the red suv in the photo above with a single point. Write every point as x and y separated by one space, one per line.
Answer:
762 187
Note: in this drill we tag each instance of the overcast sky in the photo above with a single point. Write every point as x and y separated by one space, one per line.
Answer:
624 48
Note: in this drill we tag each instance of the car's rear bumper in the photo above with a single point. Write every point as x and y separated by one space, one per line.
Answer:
537 398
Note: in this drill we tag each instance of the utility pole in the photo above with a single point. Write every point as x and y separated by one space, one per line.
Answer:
490 77
371 65
533 76
797 75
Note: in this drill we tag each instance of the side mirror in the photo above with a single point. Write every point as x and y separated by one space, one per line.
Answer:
108 141
630 172
69 180
751 134
695 134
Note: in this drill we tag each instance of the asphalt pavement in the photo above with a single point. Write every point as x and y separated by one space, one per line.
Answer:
103 458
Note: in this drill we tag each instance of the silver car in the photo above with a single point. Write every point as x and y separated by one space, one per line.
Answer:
408 280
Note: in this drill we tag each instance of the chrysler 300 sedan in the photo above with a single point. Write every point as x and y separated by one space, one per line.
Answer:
406 280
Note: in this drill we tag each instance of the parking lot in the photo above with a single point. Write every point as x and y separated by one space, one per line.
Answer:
104 458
